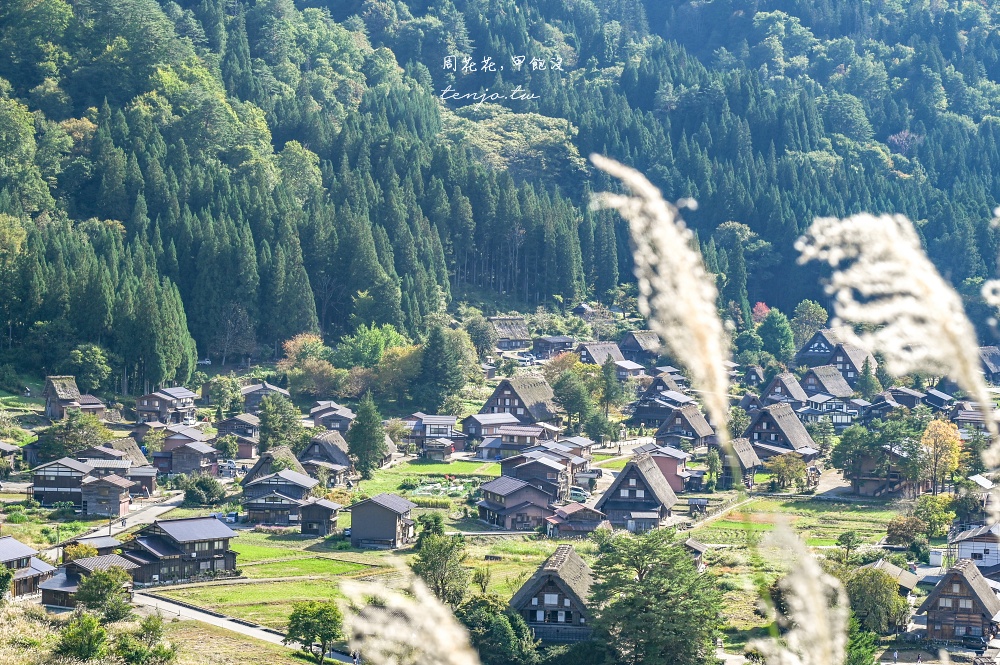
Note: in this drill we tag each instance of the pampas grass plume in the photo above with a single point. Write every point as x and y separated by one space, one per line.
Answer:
676 293
884 283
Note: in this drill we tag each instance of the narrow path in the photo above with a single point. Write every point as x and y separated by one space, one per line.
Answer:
144 515
173 609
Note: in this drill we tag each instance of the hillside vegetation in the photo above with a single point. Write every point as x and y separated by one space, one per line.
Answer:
172 171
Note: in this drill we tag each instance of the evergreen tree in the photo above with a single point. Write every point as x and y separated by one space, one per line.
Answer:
648 581
366 438
868 383
440 372
776 333
612 391
572 395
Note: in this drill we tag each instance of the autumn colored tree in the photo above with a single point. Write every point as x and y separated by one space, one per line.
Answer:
942 445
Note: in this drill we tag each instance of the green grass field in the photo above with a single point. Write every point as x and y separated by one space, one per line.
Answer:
817 522
301 567
268 604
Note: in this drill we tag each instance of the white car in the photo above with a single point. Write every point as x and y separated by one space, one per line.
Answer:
206 361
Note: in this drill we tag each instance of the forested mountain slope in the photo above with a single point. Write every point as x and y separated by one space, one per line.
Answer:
169 170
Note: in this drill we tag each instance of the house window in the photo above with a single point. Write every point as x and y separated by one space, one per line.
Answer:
561 617
566 602
534 601
640 494
944 602
520 411
677 421
977 556
540 616
956 587
631 482
850 375
624 494
975 631
551 599
959 631
986 551
965 603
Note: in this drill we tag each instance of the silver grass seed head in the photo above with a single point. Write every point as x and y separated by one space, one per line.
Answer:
884 283
817 611
676 293
403 627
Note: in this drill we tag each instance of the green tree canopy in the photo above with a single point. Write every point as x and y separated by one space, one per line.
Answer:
875 600
439 564
280 423
499 634
313 622
648 581
366 438
776 333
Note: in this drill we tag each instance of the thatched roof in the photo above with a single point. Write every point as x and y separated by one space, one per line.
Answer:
965 571
601 351
745 454
787 423
857 356
647 340
990 355
266 460
567 570
61 387
791 387
333 448
535 393
127 445
905 578
510 327
695 418
829 380
651 475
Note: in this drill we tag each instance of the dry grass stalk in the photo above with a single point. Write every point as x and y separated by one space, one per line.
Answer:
884 282
817 612
676 293
412 628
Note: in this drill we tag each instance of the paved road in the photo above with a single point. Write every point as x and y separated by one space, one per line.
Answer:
172 609
144 515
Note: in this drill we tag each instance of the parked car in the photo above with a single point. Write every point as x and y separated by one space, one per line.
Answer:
347 532
578 493
206 361
232 518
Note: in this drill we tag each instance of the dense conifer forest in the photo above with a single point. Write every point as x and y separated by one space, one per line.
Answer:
173 170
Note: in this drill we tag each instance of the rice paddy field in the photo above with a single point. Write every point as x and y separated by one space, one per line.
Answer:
818 522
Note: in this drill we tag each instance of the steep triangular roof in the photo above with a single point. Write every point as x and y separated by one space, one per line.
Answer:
829 380
694 417
990 355
61 387
647 340
966 570
266 460
792 387
510 327
567 570
333 449
787 423
651 475
127 445
601 351
535 393
856 354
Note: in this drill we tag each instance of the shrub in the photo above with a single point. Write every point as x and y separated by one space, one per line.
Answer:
17 518
409 484
431 502
12 508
